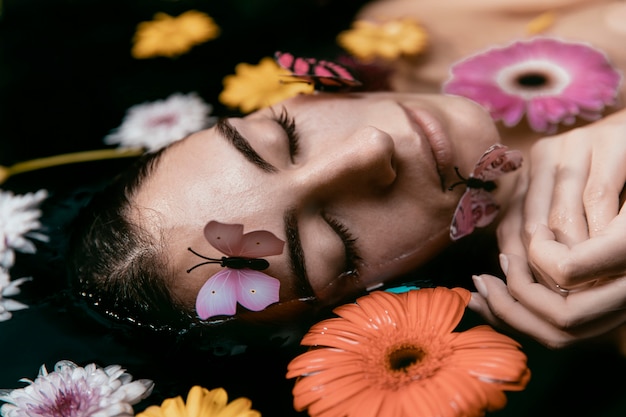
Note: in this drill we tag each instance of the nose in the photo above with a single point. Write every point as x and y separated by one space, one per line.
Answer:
361 163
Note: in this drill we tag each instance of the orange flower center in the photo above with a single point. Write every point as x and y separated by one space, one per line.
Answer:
402 357
393 366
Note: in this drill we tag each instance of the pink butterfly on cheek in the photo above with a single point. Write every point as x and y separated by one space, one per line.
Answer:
241 280
478 208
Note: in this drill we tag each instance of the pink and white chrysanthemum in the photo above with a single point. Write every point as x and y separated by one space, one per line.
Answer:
8 289
19 221
549 80
156 124
73 391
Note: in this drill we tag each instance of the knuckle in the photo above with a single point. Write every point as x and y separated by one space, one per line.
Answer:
557 342
594 194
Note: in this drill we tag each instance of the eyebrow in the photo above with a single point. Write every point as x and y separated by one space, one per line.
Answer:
296 255
242 144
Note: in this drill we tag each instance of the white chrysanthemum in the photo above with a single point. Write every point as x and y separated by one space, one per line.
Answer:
19 217
156 124
9 289
73 391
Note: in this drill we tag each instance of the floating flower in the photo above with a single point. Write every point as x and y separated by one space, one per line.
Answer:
552 81
368 40
173 36
541 23
256 86
156 124
9 289
73 391
395 355
19 218
202 402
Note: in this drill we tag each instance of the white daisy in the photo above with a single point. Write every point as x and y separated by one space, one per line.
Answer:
156 124
19 218
9 289
73 391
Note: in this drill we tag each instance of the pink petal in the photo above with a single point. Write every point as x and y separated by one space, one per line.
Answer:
593 82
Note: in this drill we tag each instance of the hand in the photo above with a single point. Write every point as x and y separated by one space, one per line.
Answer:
565 240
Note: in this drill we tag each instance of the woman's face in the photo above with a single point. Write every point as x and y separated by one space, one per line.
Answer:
351 183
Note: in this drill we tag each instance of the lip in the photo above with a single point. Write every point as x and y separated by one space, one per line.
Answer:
430 128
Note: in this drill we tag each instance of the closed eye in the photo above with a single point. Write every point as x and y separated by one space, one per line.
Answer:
288 124
349 242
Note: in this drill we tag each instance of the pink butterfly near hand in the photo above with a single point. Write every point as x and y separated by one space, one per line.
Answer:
241 280
478 208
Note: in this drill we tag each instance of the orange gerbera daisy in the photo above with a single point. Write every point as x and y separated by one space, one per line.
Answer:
397 355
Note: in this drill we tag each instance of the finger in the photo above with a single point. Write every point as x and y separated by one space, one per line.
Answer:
565 311
501 310
567 216
510 229
599 257
602 194
541 185
505 311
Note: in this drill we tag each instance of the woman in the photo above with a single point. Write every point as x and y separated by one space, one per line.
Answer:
313 171
323 214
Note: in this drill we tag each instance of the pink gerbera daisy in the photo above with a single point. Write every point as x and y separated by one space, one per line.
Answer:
550 80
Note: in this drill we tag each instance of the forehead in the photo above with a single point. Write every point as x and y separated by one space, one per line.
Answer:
199 179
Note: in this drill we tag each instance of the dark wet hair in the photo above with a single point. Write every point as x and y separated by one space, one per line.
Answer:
115 264
119 273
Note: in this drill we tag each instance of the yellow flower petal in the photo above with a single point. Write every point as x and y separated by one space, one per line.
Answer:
387 40
256 86
173 407
202 402
172 36
540 23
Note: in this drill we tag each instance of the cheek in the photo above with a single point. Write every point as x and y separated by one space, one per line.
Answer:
403 250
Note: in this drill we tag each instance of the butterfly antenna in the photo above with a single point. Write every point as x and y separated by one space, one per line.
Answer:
209 260
463 179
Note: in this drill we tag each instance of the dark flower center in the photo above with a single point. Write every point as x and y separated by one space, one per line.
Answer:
401 358
532 80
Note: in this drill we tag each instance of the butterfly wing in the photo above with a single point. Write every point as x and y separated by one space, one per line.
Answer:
319 72
477 208
230 240
496 161
256 290
218 296
484 208
462 221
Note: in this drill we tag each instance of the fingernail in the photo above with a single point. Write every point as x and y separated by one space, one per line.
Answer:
504 263
480 285
474 304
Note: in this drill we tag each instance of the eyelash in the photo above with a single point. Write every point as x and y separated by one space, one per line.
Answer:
349 242
288 123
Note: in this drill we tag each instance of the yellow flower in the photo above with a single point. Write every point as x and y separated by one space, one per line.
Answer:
368 40
255 86
202 402
541 23
172 36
